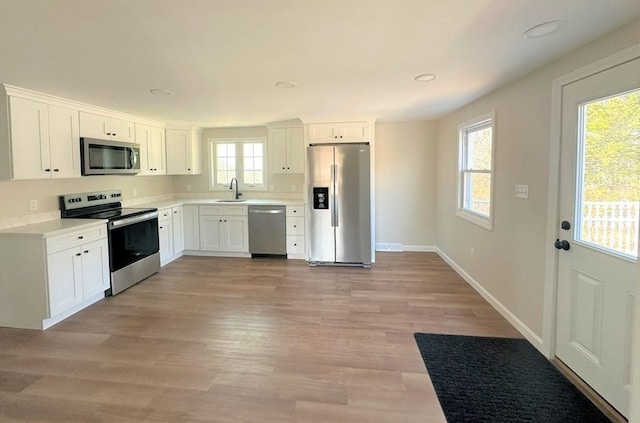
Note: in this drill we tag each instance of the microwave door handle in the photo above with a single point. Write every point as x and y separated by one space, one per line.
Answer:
134 158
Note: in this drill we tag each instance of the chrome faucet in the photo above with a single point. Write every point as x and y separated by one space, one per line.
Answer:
238 194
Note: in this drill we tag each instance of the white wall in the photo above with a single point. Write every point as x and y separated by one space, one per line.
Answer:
509 261
406 183
15 195
282 184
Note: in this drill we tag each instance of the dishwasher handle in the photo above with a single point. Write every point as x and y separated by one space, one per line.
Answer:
262 211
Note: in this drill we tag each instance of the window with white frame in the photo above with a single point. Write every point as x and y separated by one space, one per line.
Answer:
243 159
475 170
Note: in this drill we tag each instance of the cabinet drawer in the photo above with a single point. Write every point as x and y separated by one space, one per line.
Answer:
235 211
164 214
211 211
73 239
295 210
295 244
295 225
223 210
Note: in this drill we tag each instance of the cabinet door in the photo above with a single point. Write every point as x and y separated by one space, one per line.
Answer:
157 151
29 139
295 150
354 131
94 126
121 130
191 228
196 153
64 136
95 268
165 236
236 233
278 150
178 152
65 280
211 236
178 230
323 132
143 139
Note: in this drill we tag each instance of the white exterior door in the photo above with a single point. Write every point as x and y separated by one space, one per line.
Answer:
598 232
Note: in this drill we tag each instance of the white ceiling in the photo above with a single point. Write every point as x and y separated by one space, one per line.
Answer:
223 58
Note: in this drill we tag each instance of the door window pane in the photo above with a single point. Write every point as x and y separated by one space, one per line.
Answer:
609 173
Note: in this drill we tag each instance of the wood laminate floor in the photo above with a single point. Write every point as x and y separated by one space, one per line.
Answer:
241 340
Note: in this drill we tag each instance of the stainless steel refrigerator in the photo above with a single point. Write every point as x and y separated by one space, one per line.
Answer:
339 204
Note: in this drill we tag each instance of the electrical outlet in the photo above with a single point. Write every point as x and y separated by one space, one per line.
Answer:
472 251
33 205
188 187
134 193
271 187
522 191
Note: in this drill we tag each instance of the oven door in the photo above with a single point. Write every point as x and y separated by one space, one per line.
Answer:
132 239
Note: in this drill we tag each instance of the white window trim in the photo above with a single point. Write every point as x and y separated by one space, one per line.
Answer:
211 145
469 215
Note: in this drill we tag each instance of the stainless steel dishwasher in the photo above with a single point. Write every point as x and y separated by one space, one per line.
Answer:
267 231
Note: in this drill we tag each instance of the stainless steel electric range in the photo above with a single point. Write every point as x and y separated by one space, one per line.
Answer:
133 234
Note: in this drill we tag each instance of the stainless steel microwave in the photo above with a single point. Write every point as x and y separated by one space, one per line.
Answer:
102 157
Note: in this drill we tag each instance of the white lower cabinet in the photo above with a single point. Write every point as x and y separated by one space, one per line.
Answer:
47 278
191 227
177 220
296 246
170 234
224 229
76 274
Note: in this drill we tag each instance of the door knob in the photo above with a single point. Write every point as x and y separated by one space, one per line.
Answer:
562 245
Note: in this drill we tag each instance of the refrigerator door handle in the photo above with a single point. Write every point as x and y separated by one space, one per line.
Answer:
334 196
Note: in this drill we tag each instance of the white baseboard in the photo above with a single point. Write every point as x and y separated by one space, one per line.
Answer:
421 248
398 248
389 246
534 339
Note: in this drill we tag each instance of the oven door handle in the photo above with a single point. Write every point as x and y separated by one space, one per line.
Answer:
115 224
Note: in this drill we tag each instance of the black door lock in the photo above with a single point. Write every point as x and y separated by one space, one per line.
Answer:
562 245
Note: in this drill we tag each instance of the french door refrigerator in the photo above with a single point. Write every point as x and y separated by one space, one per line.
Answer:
339 204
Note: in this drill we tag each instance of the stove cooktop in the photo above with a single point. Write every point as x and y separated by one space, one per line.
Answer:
115 213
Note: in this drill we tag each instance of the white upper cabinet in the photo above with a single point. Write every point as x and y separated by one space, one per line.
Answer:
339 132
152 149
106 128
286 150
64 141
43 140
183 152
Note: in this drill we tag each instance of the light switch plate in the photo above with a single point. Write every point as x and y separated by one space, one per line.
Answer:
522 191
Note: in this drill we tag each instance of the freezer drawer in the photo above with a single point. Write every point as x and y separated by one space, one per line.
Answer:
267 230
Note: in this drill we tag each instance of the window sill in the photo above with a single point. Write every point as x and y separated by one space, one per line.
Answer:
480 220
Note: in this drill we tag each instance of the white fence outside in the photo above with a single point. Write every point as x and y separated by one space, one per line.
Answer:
609 224
612 225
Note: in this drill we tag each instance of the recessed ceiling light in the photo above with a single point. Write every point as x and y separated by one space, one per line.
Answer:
543 29
425 77
285 84
160 91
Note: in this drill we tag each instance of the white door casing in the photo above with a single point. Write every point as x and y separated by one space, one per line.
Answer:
595 288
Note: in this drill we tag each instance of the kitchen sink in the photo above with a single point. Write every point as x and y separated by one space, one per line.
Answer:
231 201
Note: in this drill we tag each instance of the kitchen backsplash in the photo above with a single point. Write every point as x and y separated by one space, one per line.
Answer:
10 222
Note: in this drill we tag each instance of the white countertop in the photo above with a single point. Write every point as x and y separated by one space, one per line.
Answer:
59 226
53 227
208 202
